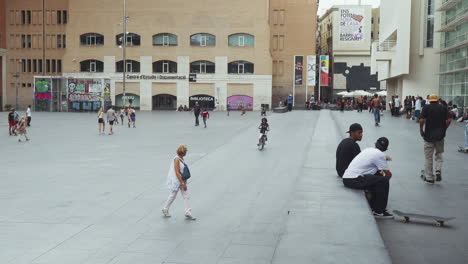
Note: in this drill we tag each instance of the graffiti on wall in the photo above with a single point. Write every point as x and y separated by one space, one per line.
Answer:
42 91
357 77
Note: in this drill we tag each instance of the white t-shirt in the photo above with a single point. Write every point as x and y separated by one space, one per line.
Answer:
28 112
369 161
397 102
418 105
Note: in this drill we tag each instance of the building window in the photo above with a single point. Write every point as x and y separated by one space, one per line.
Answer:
165 39
59 17
29 65
132 39
202 67
65 16
34 65
202 40
64 41
39 64
59 65
47 66
91 39
59 41
23 41
23 17
29 41
240 67
430 23
130 66
28 17
241 40
165 66
91 66
54 66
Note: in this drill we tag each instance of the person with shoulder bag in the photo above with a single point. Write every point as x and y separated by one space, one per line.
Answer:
177 178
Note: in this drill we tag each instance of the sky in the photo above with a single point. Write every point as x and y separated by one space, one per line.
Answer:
326 4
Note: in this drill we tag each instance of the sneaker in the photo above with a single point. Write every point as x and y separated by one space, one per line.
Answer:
189 217
385 214
165 212
438 176
428 181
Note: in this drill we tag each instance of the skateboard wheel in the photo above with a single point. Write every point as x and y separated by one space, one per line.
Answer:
440 224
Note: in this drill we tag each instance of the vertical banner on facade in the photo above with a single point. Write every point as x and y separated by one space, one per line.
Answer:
324 66
298 66
351 24
311 67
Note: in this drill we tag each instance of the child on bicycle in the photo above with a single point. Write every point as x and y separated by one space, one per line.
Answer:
264 127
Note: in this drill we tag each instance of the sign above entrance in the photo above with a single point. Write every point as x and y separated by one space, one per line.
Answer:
156 77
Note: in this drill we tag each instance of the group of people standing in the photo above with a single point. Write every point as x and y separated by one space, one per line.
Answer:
17 126
112 117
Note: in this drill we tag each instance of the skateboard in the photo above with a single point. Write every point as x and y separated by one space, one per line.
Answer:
439 221
462 149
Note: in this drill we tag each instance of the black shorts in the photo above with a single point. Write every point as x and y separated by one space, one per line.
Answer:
111 122
101 121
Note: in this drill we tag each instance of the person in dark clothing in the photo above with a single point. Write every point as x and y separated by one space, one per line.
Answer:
435 119
348 149
290 102
369 171
196 111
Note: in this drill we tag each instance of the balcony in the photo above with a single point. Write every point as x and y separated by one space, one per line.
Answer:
454 44
459 18
447 5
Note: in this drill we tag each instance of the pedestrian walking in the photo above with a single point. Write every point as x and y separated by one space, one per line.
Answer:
369 171
360 104
100 116
132 113
418 108
228 108
110 119
196 112
263 112
435 119
290 102
178 170
21 129
397 105
11 122
28 115
205 115
376 105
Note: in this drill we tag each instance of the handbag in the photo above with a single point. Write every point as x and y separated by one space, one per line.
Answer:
185 172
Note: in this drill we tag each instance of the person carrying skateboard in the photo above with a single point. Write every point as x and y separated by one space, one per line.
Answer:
369 171
348 149
434 121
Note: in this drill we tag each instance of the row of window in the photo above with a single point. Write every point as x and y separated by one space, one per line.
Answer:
36 65
35 17
168 39
167 66
34 41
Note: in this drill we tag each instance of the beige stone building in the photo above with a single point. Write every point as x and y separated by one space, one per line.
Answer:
239 53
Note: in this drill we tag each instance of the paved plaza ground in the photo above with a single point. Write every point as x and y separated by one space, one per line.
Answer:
73 196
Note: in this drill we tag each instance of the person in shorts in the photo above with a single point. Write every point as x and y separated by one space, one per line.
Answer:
111 118
101 121
11 122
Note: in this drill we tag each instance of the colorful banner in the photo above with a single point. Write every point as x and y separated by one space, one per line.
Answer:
298 66
324 66
236 101
85 86
351 24
311 68
42 91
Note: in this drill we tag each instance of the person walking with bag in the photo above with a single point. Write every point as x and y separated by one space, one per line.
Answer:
177 181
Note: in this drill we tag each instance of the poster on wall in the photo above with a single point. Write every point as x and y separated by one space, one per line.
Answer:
84 94
129 99
351 24
311 68
298 66
324 66
236 102
42 90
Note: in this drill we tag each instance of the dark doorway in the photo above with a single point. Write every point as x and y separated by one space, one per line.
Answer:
164 102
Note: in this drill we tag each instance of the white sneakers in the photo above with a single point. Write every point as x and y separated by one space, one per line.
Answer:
165 212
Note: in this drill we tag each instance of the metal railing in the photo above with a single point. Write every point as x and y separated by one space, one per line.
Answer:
387 45
456 41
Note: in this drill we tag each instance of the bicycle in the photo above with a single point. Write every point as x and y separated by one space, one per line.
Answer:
261 141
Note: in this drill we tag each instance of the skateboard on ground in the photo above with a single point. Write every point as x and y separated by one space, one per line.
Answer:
439 221
462 149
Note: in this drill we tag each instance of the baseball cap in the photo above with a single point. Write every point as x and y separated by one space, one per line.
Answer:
382 143
354 127
433 98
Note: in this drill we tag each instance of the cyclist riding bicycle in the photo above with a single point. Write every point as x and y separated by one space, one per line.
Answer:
264 127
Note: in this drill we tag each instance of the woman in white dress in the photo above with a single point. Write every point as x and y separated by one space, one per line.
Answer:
175 183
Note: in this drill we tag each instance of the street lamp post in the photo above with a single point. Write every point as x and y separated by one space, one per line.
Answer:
124 43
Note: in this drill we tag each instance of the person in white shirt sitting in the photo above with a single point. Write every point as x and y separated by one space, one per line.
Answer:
369 171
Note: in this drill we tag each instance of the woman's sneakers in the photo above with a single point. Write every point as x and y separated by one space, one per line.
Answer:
189 217
165 212
385 214
438 175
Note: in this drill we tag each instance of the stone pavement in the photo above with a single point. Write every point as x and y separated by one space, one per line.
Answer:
419 242
73 196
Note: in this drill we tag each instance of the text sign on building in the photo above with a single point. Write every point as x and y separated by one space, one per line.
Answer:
351 24
156 77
